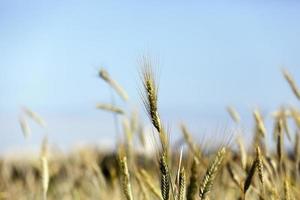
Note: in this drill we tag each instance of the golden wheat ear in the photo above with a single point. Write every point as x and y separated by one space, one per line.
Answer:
125 178
149 98
150 93
182 185
210 175
260 167
193 187
164 177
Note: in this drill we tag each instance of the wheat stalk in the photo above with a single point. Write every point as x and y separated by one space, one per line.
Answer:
45 176
142 186
149 184
233 175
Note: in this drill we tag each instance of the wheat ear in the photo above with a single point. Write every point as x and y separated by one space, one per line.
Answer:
210 174
182 182
193 184
164 177
125 178
292 83
110 108
114 84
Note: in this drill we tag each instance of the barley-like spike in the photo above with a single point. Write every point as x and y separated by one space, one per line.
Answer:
210 174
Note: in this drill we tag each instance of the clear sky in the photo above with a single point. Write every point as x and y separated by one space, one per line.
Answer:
210 54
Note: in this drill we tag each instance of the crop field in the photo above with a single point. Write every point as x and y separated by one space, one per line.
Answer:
190 170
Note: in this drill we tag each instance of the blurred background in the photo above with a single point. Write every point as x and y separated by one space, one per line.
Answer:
209 54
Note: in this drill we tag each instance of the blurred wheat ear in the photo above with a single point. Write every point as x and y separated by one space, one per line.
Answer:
125 178
292 83
110 108
104 75
26 130
35 117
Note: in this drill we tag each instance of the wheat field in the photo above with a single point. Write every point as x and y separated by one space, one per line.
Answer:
191 170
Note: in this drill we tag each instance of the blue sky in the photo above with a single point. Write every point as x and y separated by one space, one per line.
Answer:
210 54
